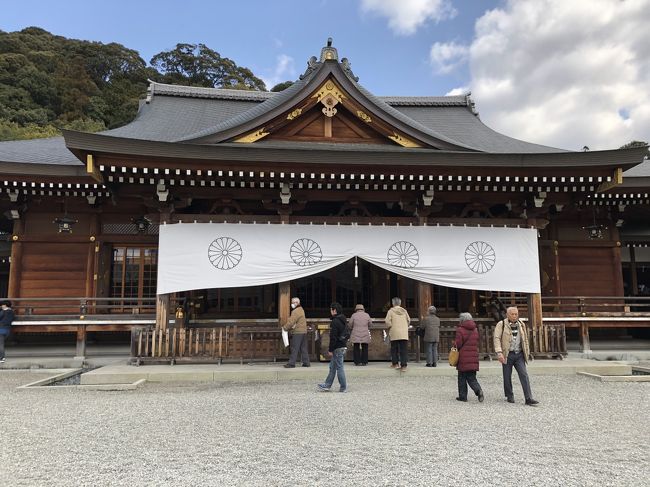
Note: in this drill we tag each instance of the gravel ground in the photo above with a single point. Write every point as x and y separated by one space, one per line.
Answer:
402 432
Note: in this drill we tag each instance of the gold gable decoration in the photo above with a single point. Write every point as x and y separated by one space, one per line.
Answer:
329 88
253 136
403 141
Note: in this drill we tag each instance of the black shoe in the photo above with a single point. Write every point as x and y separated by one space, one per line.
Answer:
510 399
433 365
289 366
531 402
429 365
306 365
461 399
481 397
365 363
356 364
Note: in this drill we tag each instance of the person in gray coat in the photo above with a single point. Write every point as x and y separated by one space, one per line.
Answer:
431 325
360 322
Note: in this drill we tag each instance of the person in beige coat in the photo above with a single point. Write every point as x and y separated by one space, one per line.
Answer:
297 326
397 324
511 346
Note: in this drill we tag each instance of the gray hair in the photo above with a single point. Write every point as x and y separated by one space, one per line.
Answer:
295 300
511 307
432 310
465 317
396 301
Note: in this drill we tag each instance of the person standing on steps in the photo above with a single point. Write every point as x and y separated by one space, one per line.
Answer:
397 324
297 326
431 325
360 322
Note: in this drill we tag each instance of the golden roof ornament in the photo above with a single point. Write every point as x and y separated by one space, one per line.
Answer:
329 53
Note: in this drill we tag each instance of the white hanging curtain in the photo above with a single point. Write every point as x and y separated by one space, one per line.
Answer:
221 255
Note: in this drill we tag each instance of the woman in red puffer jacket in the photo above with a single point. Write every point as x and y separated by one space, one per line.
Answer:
467 344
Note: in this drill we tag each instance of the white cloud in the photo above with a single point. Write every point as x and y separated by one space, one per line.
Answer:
284 70
446 56
406 16
564 73
461 90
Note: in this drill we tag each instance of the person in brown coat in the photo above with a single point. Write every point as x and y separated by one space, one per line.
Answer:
297 326
360 322
467 344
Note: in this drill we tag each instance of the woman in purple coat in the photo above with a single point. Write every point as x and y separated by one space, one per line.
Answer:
467 344
360 322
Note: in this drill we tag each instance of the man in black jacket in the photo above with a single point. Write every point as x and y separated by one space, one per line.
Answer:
6 318
337 349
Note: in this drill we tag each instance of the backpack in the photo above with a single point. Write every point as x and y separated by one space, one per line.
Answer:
347 332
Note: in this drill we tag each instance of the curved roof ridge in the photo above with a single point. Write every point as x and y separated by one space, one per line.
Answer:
156 88
316 70
455 100
256 111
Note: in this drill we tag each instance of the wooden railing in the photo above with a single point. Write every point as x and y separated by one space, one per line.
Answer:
566 306
248 341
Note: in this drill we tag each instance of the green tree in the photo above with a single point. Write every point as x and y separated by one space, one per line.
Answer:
198 65
282 86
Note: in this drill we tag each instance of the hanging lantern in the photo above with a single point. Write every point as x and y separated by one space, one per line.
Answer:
65 223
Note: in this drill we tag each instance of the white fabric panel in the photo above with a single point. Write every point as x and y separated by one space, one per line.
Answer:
220 255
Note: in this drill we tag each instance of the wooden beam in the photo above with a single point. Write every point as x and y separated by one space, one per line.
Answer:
617 179
92 169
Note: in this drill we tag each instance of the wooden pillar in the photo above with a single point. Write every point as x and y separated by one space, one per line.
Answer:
424 301
284 302
15 269
618 269
93 249
535 320
424 298
162 311
634 279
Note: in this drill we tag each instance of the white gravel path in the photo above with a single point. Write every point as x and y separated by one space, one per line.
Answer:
382 433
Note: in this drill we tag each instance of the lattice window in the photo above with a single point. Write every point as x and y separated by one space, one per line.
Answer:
133 272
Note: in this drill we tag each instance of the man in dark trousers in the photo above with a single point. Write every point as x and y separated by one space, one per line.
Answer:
6 318
297 326
337 349
511 345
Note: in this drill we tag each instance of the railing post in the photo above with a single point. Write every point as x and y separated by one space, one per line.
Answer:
81 343
584 338
162 311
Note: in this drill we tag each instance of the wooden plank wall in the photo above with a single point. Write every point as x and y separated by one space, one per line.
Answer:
56 270
589 271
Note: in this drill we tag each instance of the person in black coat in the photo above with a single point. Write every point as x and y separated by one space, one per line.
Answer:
337 349
6 318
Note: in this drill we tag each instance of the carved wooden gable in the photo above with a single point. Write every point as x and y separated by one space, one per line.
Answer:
329 114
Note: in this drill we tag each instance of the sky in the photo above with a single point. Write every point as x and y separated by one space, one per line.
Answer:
564 73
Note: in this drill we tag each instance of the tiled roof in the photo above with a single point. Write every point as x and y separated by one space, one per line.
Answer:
38 151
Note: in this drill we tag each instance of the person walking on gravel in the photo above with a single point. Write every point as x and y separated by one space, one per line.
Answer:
337 349
466 342
511 345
